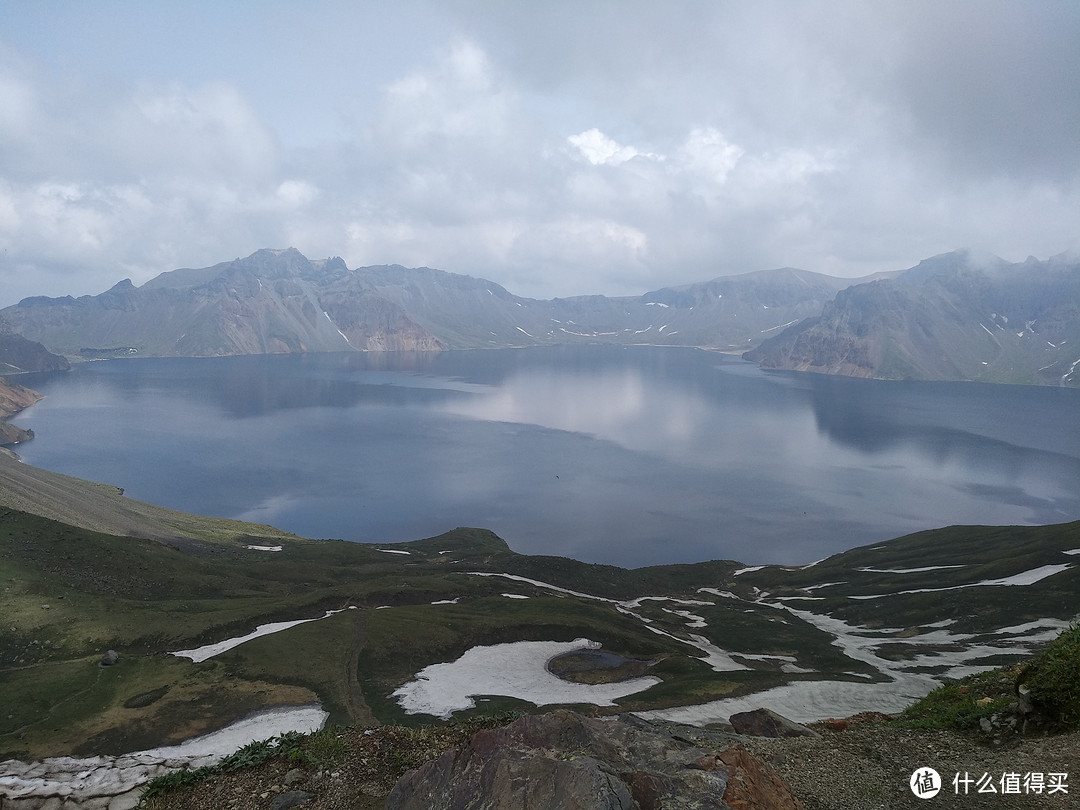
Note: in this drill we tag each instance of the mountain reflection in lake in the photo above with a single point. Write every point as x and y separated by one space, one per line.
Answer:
629 456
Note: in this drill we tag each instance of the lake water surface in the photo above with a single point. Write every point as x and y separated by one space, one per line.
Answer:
630 456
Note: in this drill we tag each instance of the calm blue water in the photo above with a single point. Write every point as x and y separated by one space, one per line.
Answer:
631 456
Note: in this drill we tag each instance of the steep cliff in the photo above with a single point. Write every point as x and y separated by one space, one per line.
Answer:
13 398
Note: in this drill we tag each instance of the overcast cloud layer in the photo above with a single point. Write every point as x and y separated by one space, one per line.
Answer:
557 148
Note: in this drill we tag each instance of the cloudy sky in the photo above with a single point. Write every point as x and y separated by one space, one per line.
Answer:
557 147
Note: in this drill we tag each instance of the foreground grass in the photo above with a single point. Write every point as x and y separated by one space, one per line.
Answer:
70 594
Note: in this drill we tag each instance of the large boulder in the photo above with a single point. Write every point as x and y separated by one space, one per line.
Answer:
562 759
767 723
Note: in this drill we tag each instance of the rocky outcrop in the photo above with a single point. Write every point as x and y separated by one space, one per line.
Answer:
13 398
767 723
563 759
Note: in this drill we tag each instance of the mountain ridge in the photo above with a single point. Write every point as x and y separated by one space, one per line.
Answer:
280 301
955 316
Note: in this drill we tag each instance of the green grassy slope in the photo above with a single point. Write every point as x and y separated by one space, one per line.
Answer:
101 507
68 593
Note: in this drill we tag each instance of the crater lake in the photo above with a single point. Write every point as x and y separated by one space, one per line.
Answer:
624 455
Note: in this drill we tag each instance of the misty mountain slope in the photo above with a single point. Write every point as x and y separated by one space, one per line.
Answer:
19 354
951 317
747 308
465 312
280 301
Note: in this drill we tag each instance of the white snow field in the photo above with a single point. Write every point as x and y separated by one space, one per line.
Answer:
517 669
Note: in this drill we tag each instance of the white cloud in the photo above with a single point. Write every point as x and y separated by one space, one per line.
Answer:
296 193
709 154
458 98
208 131
599 149
555 148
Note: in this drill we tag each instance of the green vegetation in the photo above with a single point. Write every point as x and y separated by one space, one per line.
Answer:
1053 679
323 749
949 558
67 594
962 704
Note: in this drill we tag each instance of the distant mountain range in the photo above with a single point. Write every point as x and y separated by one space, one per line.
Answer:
280 301
948 318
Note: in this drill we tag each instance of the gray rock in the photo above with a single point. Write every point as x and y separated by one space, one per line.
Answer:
561 760
293 776
110 658
767 723
1025 706
292 798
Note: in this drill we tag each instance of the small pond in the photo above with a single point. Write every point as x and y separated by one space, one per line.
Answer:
597 666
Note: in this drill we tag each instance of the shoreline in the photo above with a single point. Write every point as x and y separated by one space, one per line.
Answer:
14 399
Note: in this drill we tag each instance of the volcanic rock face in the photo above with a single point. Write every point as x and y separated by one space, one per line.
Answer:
952 317
562 759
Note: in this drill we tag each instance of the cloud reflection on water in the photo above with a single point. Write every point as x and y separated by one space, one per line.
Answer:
633 456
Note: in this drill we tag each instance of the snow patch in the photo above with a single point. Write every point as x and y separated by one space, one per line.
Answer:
111 781
747 570
518 669
200 654
909 570
1023 578
717 592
